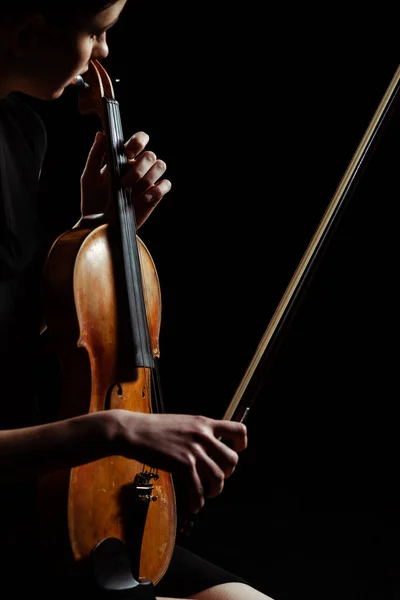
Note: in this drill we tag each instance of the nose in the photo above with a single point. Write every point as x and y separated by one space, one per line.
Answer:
100 49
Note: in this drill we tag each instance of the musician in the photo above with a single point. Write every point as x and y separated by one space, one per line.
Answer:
44 45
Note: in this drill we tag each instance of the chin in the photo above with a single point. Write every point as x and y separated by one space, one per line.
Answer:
53 94
45 94
57 94
56 90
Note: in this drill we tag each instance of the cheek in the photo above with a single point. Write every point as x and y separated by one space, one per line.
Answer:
80 56
85 53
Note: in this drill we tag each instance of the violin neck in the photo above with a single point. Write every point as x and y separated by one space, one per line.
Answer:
124 243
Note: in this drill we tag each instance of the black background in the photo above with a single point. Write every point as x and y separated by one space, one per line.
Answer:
257 114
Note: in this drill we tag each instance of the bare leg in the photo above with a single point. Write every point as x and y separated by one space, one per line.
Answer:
231 591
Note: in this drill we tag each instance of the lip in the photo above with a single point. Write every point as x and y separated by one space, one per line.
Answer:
77 78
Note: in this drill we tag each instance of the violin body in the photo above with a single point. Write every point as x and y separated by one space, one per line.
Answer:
110 497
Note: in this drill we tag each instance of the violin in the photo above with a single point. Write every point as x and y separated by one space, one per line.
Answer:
102 302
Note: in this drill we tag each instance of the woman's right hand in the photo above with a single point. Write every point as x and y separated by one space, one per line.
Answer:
188 446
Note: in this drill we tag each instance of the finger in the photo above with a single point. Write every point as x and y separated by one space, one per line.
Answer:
140 169
211 474
146 203
156 192
195 491
223 456
136 144
234 432
156 171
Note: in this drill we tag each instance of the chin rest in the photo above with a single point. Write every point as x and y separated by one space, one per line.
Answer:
113 575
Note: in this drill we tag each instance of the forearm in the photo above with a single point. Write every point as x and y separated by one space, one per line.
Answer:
65 444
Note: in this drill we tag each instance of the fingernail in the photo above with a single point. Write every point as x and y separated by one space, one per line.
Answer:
149 197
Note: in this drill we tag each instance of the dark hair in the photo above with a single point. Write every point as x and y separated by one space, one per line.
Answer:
53 9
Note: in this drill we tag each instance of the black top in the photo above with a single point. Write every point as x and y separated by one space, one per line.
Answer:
23 144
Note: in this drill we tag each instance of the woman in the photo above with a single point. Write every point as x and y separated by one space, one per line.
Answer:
43 48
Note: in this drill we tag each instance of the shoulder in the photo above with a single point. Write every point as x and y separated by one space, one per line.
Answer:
22 121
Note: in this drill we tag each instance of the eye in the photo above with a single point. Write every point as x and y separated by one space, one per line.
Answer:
95 37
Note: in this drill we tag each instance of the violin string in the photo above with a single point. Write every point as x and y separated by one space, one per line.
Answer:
128 224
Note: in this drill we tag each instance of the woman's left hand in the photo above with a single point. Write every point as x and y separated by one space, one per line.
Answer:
143 175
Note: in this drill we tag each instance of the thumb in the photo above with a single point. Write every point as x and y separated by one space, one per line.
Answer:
95 159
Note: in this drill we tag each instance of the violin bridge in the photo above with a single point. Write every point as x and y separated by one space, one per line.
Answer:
143 486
